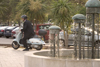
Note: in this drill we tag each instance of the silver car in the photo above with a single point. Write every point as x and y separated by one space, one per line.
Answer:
86 37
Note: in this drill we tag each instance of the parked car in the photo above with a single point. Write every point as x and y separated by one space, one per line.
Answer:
15 32
87 36
36 29
2 25
2 29
45 27
8 31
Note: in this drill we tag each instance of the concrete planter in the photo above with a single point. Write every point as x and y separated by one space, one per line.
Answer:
41 59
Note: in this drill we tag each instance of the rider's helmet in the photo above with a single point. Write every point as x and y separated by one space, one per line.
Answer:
24 16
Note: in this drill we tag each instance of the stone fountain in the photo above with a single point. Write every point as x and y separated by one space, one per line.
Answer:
77 57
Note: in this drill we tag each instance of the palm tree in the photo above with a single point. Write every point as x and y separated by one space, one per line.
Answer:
2 7
3 10
61 11
34 9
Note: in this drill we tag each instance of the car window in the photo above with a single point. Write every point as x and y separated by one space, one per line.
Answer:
3 27
87 32
34 27
46 27
83 31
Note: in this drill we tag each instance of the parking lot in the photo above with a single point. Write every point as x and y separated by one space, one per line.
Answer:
4 40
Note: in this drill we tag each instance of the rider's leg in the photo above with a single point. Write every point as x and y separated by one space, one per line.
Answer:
25 43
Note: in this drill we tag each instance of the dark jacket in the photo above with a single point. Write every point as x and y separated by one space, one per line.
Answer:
28 29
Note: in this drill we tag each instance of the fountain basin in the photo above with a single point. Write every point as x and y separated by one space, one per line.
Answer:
41 59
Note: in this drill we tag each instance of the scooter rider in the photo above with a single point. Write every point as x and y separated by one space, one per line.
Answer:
28 31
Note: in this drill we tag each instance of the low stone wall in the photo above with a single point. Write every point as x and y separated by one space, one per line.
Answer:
41 59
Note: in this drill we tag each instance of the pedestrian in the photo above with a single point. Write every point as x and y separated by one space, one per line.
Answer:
28 31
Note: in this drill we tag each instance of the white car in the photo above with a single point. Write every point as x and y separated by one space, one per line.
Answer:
15 32
85 37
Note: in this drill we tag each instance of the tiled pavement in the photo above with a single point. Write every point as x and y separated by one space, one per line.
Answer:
11 58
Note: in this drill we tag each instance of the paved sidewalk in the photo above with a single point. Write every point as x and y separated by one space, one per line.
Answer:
12 58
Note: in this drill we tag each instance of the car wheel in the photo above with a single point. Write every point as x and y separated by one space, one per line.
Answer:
68 45
62 43
7 36
97 44
15 45
39 47
0 36
14 37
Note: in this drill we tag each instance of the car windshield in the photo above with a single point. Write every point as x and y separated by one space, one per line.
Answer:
46 27
17 28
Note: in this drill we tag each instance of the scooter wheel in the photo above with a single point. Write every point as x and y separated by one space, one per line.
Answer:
15 45
39 47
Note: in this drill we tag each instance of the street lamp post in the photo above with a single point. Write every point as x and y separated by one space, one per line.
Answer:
92 13
54 40
78 19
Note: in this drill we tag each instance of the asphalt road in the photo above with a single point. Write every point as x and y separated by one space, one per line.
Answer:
6 40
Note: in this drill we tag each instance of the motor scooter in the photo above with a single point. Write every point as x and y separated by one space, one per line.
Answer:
35 42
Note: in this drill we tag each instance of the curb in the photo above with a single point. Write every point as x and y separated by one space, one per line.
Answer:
44 47
9 45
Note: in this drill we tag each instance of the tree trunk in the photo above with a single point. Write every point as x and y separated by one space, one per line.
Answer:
66 39
33 24
18 22
8 22
36 23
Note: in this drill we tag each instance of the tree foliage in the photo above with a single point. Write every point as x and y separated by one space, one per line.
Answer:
3 9
35 10
60 11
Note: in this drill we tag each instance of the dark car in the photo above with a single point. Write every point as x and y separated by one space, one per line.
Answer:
8 31
2 25
2 29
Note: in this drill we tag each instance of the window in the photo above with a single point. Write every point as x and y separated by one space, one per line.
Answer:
46 27
34 27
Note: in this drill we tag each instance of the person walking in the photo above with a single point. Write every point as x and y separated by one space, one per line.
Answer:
28 31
